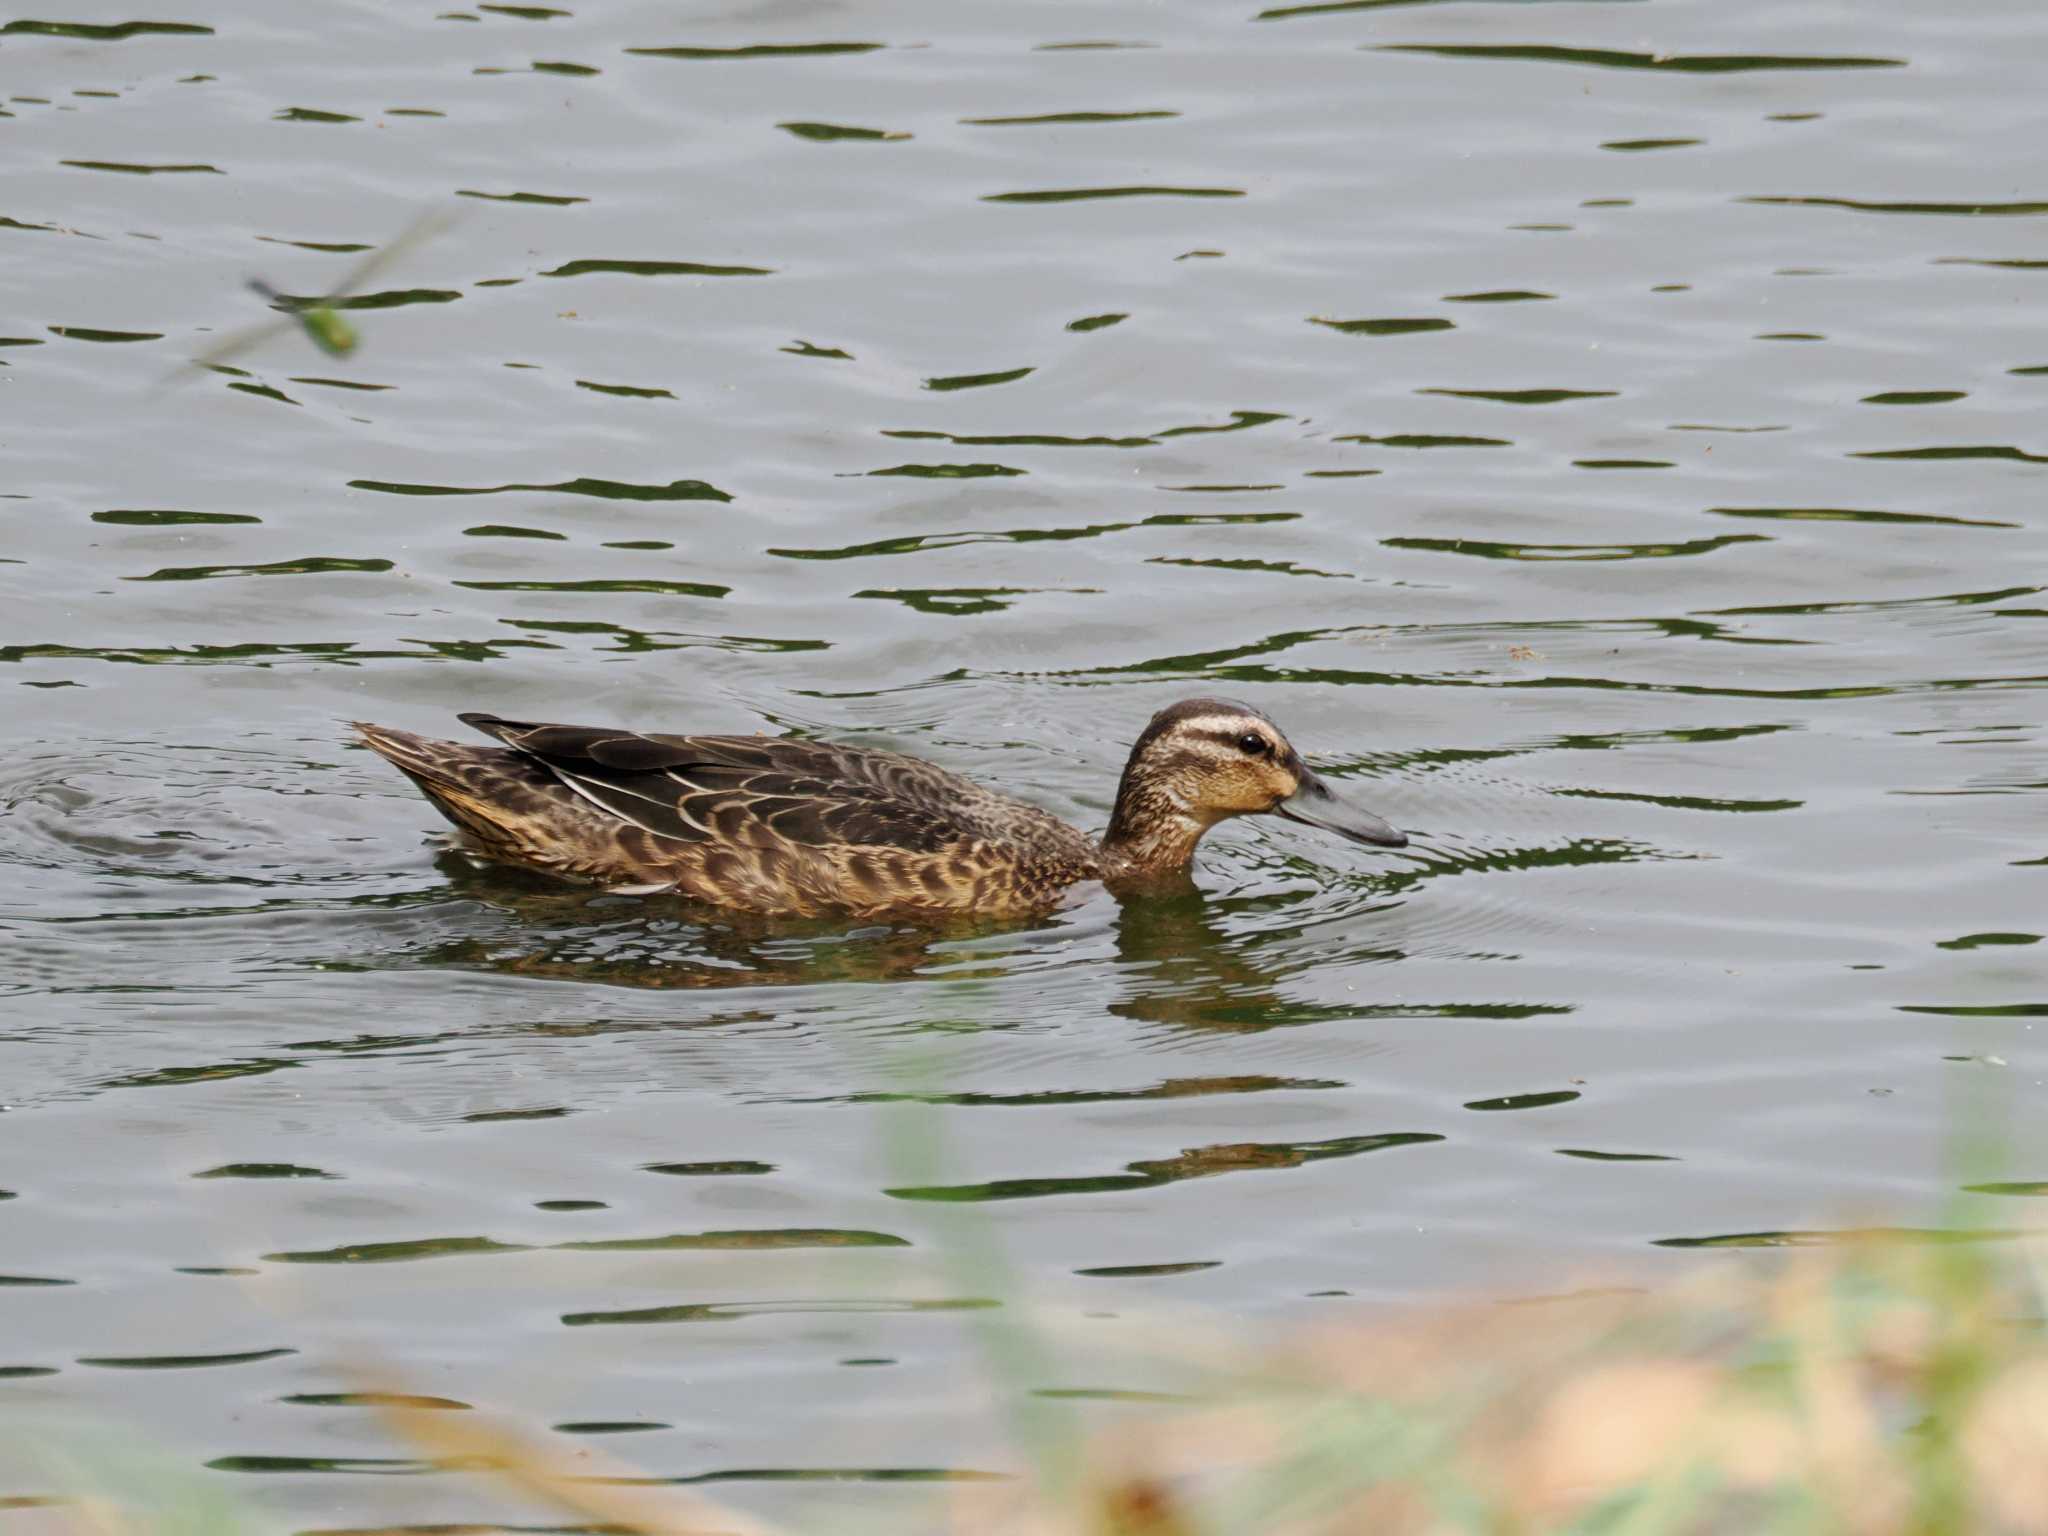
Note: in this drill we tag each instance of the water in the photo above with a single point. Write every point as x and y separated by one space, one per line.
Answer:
1607 437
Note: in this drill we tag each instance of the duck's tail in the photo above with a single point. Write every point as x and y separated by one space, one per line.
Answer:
490 793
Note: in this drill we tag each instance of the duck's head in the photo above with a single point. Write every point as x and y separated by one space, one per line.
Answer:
1203 760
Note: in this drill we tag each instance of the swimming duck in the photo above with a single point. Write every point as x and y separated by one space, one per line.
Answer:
788 827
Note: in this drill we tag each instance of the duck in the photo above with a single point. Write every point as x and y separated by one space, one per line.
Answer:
791 827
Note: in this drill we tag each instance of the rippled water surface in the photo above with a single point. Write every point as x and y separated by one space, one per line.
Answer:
1608 437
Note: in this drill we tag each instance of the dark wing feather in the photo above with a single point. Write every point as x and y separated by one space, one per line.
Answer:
752 791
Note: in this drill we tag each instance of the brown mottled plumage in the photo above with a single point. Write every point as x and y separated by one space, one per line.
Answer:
788 827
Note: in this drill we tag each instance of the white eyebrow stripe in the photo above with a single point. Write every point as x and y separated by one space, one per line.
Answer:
1217 724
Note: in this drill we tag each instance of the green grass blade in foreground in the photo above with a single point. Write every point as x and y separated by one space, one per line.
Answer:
915 1148
111 1481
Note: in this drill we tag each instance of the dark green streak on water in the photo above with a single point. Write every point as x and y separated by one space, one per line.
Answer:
1846 1236
654 269
626 391
313 565
181 1362
953 602
128 168
508 531
732 1311
137 518
394 298
608 1426
1018 439
977 380
113 32
1525 1100
1987 451
917 543
1954 210
1424 440
396 1253
1681 802
1093 194
1980 1011
340 652
1338 7
1856 515
538 199
1490 550
1172 1088
672 588
173 1077
261 391
1523 396
87 333
943 472
750 1240
835 133
370 1400
761 51
607 490
351 1465
263 1171
1611 58
1384 327
1193 1163
1240 421
1061 119
727 1167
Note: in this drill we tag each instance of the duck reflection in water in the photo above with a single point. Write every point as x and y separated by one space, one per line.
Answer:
1177 963
1179 966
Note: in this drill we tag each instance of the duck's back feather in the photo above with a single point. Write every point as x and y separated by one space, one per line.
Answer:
769 824
758 791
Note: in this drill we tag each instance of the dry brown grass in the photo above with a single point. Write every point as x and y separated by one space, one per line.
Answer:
1885 1388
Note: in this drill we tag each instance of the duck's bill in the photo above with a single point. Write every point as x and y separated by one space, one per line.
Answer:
1318 805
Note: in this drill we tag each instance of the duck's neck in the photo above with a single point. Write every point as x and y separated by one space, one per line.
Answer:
1152 834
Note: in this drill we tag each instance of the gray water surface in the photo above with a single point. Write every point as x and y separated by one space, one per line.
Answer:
1608 438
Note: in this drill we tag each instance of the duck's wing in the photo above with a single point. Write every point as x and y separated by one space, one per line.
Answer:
761 792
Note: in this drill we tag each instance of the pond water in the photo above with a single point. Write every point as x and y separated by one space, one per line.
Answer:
1608 437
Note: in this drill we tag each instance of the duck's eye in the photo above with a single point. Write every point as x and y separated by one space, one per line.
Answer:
1252 744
